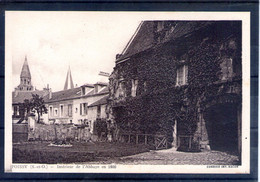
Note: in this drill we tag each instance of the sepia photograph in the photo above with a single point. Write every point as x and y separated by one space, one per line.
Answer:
127 92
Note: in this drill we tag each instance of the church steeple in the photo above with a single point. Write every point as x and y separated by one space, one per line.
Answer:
25 73
68 79
25 78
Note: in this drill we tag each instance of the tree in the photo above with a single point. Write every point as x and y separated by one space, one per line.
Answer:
25 107
37 104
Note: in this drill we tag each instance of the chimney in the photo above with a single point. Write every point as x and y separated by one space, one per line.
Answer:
50 94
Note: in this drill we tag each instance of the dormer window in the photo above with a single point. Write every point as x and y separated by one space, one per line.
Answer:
182 75
83 90
96 89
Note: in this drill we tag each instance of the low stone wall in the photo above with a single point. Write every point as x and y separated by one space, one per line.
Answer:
63 132
20 132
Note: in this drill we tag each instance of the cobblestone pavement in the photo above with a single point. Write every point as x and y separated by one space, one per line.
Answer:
173 157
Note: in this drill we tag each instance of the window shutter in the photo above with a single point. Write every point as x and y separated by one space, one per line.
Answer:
86 108
80 111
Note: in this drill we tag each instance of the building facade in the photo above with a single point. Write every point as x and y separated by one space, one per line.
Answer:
74 106
182 79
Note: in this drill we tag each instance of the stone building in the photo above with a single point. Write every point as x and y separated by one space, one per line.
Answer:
24 91
181 79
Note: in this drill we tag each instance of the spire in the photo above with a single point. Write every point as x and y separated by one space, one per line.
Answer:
68 79
25 73
25 78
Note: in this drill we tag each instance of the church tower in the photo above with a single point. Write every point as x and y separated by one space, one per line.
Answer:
25 78
68 83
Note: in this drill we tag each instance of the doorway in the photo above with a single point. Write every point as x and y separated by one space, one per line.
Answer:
222 127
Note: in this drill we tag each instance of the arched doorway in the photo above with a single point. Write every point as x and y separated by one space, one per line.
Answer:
223 127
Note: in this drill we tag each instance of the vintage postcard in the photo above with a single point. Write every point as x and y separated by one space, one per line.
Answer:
127 92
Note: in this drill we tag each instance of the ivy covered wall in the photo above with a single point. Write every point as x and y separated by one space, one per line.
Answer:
159 102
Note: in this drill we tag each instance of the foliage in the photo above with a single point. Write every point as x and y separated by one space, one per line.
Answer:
100 127
35 104
25 107
155 111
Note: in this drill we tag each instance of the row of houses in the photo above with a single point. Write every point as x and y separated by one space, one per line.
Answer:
182 79
79 106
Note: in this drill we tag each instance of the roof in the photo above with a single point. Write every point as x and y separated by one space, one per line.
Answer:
88 85
25 73
72 94
22 95
105 90
101 83
101 101
145 37
64 94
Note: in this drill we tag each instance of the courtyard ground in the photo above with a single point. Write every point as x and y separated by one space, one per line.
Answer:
173 157
41 152
118 153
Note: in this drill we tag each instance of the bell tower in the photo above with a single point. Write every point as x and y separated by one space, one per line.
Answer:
25 78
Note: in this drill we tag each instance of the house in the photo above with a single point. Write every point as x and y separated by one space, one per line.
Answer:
181 79
84 112
74 105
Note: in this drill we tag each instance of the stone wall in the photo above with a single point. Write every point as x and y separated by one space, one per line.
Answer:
63 132
20 132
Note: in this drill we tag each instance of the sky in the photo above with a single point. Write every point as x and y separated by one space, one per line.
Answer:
53 41
86 41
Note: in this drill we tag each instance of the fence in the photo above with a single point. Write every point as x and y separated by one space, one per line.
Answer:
156 141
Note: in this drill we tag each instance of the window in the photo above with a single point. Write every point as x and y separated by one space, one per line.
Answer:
121 89
51 111
16 110
56 112
61 110
83 108
145 86
98 111
182 75
70 110
76 110
134 87
160 26
226 69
